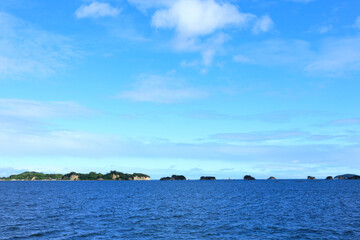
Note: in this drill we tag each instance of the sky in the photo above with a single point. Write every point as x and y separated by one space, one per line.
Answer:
193 87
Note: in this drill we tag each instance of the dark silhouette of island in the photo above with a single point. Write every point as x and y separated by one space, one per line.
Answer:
173 177
207 178
73 176
329 178
249 177
272 178
311 178
348 177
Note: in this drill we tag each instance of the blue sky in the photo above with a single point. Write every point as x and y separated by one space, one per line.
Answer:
193 87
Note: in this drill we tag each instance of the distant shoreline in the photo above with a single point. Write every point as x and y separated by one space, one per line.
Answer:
120 176
73 176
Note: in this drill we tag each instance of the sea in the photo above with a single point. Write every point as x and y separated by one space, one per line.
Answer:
221 209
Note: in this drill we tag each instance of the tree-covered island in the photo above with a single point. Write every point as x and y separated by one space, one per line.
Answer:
73 176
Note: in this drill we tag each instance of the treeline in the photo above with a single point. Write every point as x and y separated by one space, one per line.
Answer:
112 175
34 175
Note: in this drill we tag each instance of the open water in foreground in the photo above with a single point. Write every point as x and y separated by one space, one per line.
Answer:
285 209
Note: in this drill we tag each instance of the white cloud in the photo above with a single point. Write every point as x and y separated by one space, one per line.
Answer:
161 89
26 51
96 10
192 18
263 24
200 25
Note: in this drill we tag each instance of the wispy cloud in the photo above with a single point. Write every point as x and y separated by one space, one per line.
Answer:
242 59
26 51
263 24
161 89
277 52
82 144
334 57
275 117
258 136
23 116
357 22
346 121
30 109
26 126
55 143
281 137
247 151
96 10
325 29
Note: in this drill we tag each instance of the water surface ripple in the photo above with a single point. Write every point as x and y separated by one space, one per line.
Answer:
285 209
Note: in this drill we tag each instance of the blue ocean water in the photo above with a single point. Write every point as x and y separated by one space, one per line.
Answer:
285 209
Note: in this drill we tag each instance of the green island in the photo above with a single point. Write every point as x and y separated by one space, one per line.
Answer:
73 176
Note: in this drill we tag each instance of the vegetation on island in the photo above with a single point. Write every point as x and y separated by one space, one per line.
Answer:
173 177
35 175
207 178
112 175
115 175
248 177
348 177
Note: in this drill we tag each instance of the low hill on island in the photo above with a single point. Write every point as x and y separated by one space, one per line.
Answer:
173 177
348 177
72 176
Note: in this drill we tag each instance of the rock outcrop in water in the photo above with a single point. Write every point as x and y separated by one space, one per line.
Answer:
137 178
249 177
329 178
71 176
311 178
348 177
207 178
272 178
173 177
